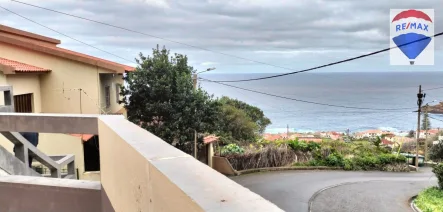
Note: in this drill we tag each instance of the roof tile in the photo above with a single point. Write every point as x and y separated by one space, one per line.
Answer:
22 67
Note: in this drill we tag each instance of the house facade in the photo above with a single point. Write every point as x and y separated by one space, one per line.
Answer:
49 79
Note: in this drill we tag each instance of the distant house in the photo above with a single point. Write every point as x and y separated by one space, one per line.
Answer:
331 135
388 143
431 132
271 137
390 137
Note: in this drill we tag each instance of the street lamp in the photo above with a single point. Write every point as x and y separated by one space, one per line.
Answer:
194 79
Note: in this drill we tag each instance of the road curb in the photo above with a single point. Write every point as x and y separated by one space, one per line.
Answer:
295 168
412 204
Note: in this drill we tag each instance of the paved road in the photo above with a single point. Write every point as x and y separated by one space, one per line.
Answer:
361 191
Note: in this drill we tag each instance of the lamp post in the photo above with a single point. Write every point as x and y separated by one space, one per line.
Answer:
194 80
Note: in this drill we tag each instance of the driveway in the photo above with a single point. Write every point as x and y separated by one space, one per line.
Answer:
338 190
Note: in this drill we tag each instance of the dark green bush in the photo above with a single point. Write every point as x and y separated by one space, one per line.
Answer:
334 159
438 171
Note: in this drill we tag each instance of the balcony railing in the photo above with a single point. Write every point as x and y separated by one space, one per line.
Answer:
139 172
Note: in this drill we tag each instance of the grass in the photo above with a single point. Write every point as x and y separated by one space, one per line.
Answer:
430 200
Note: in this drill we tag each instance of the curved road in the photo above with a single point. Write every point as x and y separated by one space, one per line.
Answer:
324 191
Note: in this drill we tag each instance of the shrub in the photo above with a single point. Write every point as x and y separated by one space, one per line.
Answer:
269 156
232 149
436 152
348 164
438 171
334 159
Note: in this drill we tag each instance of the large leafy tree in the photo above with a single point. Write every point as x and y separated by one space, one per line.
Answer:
254 113
159 96
240 122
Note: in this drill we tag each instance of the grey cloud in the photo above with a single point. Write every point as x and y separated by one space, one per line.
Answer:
234 26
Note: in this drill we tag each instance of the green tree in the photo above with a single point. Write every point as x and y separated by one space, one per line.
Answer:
235 126
159 97
425 122
254 113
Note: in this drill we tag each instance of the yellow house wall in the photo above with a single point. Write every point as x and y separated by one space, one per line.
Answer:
110 80
24 84
2 82
66 75
61 144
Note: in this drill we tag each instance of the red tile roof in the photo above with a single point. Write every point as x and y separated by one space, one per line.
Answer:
85 137
62 50
210 139
57 51
22 67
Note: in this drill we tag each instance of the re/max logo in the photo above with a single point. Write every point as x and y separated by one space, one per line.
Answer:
405 26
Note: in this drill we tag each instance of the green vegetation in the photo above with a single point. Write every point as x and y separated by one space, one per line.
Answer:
232 149
160 98
438 171
239 122
430 200
356 156
436 152
425 122
362 155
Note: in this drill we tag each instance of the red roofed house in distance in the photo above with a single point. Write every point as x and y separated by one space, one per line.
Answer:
412 32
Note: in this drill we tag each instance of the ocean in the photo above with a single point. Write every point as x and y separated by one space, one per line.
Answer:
375 90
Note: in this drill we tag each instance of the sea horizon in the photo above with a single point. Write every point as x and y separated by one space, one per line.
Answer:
375 90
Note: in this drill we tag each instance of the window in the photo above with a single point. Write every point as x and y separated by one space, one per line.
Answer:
117 92
23 103
108 96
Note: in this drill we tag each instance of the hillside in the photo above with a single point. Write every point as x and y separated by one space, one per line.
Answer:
437 109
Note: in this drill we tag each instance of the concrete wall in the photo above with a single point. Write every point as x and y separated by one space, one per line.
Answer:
154 176
223 166
40 194
94 176
13 166
62 144
110 80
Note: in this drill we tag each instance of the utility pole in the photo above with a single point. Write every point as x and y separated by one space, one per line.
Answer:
194 80
420 97
287 131
426 133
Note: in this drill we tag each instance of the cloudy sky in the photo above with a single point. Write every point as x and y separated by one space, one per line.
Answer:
295 34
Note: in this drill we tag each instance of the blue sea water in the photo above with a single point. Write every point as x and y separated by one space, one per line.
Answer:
375 90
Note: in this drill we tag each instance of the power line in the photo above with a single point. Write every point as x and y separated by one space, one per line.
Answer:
333 63
433 88
150 35
304 101
65 34
435 118
225 54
